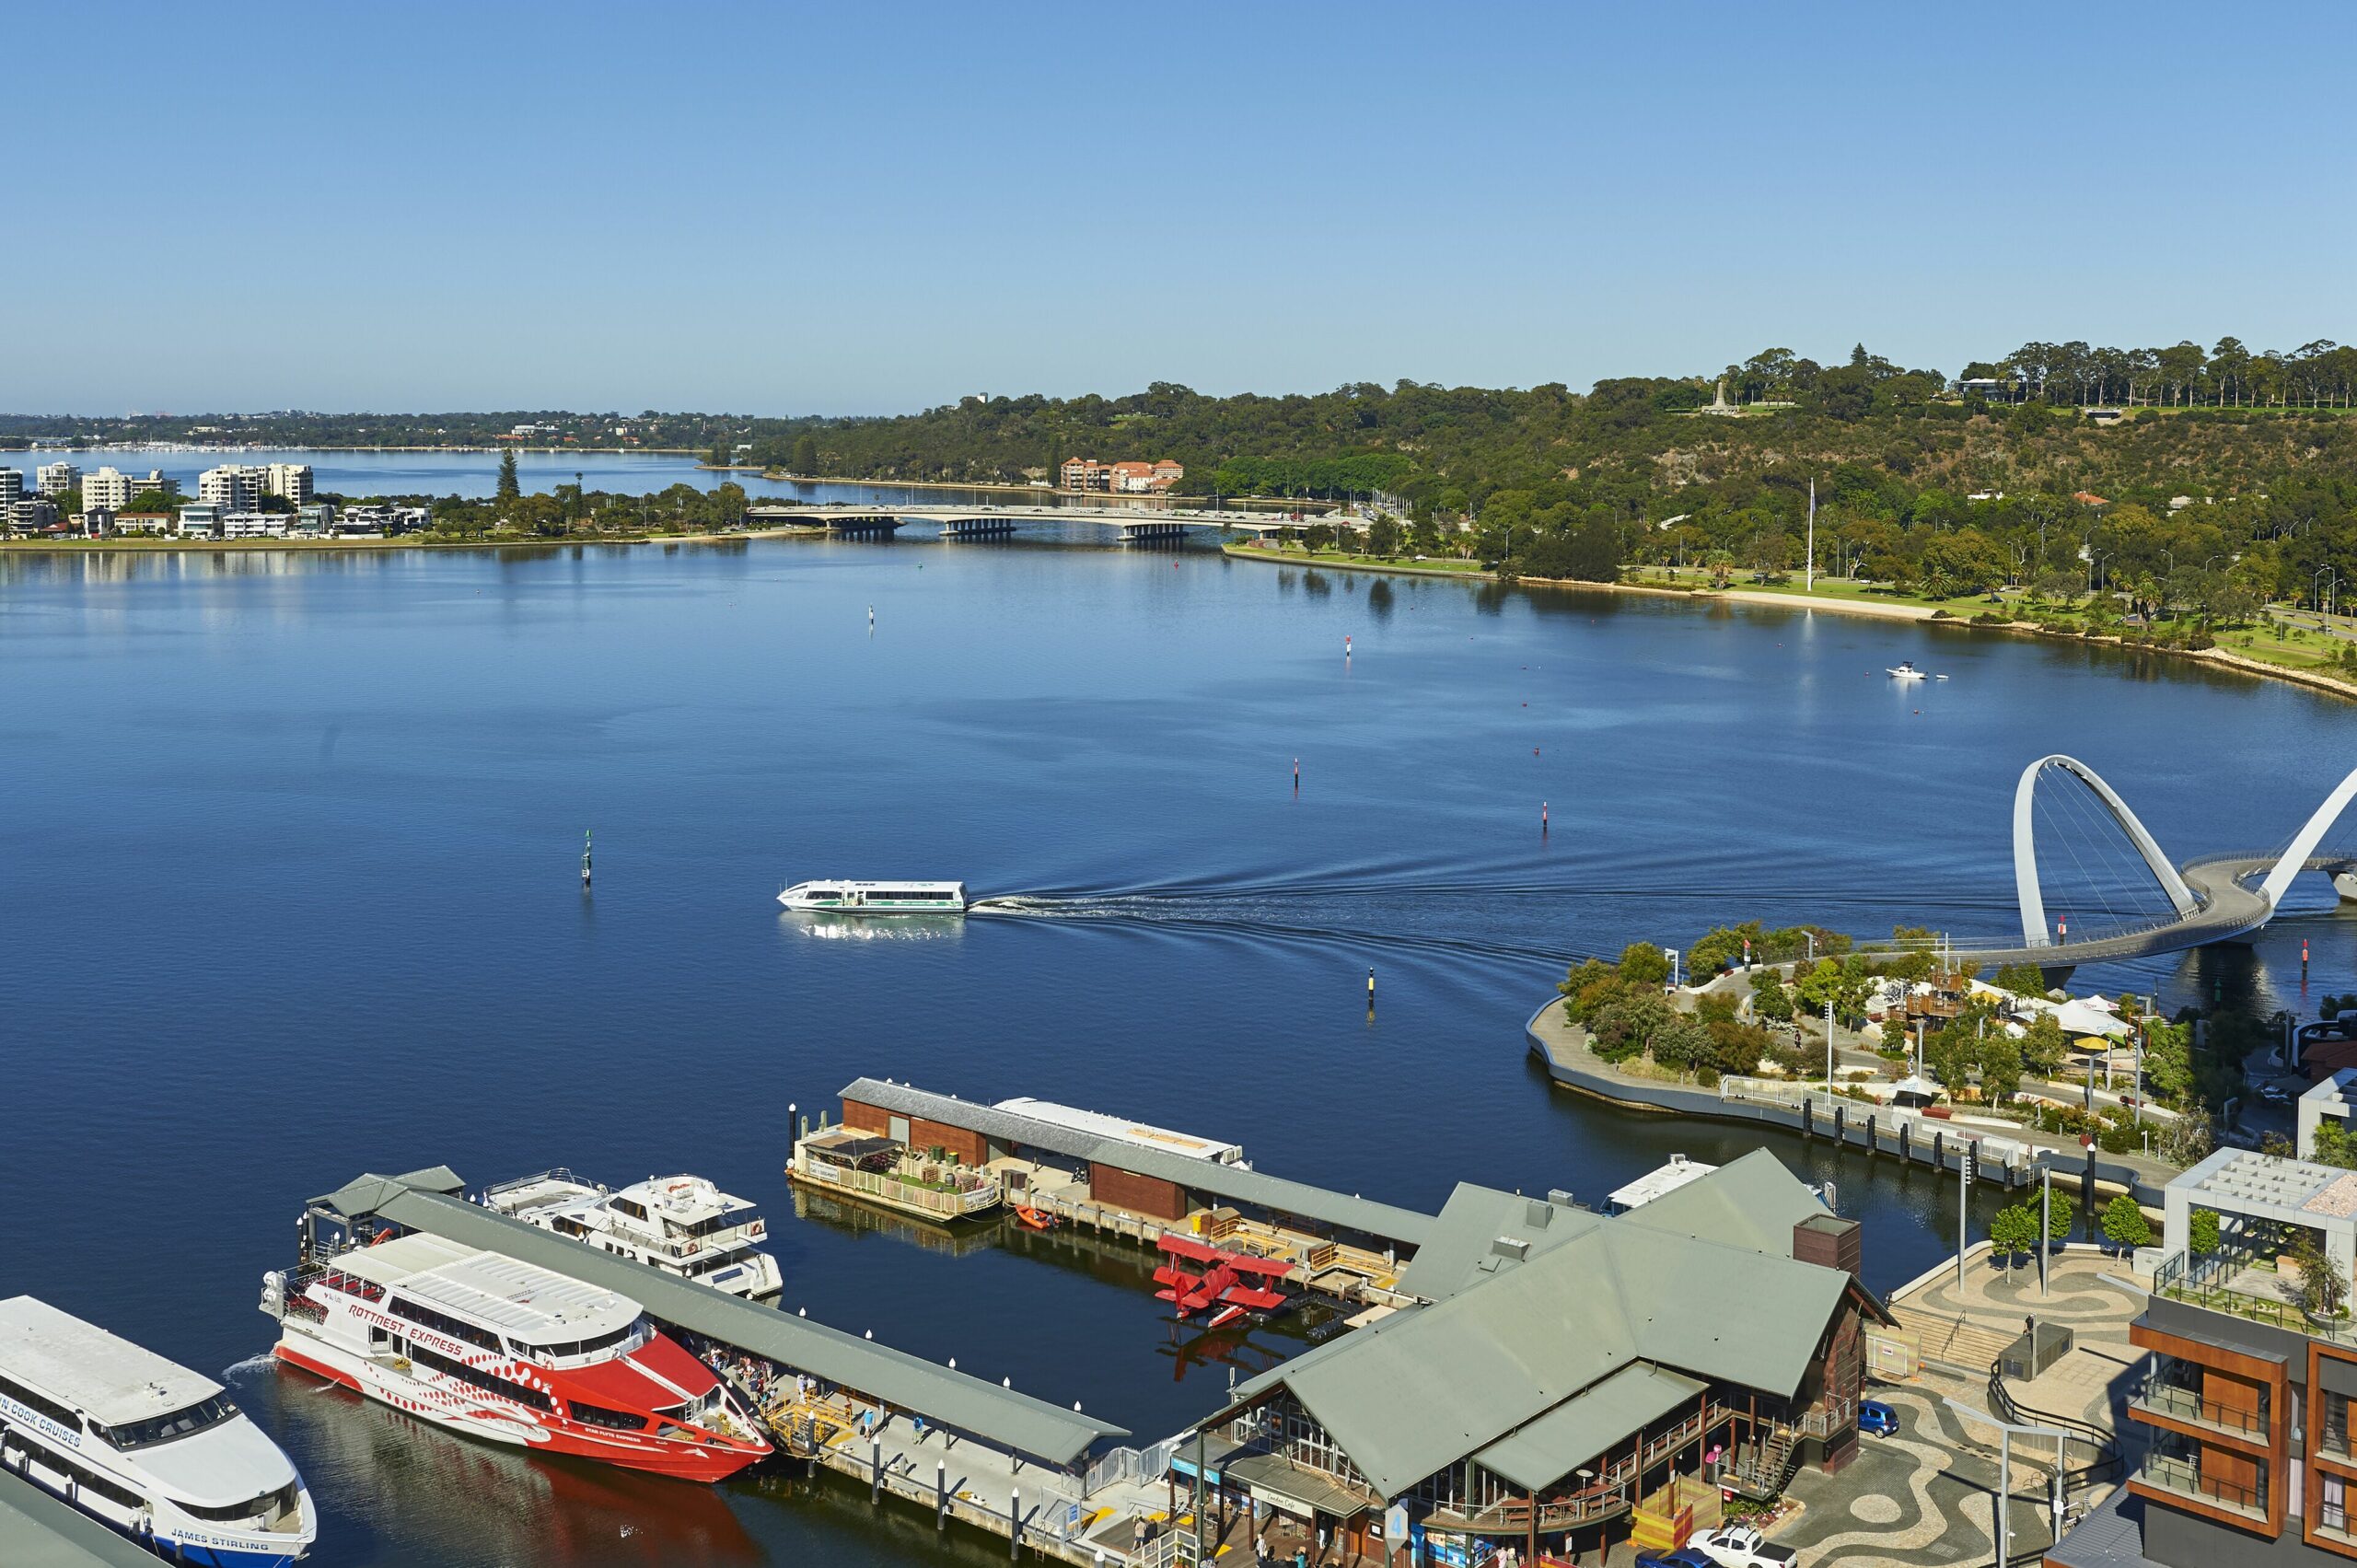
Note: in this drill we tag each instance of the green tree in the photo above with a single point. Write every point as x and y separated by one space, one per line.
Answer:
2000 1067
2125 1225
1642 963
155 501
1949 1055
1383 534
718 457
2062 1214
1769 1000
2021 979
2201 1230
2334 1145
2013 1231
510 486
2044 1046
2324 1289
805 457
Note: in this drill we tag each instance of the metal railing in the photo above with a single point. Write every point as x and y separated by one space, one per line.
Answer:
2172 1473
2187 1404
2202 1280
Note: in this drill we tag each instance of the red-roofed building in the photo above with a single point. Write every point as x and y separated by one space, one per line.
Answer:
2088 498
1129 477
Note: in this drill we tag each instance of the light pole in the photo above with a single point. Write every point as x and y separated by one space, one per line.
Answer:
2005 1430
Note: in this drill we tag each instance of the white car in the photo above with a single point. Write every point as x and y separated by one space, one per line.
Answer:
1740 1546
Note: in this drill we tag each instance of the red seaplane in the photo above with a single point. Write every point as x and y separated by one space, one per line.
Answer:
1199 1278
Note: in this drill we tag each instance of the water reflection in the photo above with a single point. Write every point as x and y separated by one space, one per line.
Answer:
457 1503
831 925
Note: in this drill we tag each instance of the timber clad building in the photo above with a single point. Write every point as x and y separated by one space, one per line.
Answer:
1565 1365
2244 1400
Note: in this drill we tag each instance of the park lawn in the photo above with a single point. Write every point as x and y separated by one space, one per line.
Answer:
1345 558
1963 606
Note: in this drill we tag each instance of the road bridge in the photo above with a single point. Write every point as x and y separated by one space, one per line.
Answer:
2215 898
1133 524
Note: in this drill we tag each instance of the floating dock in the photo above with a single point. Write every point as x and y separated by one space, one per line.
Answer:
1140 1182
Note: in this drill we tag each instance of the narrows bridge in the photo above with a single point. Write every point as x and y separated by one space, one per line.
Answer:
2214 898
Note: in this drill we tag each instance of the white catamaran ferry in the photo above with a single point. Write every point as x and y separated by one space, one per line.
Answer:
145 1444
878 898
507 1351
682 1224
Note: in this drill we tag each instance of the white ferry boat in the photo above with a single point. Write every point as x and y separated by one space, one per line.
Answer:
876 898
145 1444
510 1351
682 1224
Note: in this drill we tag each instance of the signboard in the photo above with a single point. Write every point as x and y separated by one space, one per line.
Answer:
1395 1521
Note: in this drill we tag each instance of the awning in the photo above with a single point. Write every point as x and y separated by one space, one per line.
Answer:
1296 1488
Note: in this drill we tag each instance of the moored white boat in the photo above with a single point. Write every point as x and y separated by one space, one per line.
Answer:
876 898
1905 670
145 1444
510 1351
682 1224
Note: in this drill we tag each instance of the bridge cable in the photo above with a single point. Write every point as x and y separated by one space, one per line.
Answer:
2072 818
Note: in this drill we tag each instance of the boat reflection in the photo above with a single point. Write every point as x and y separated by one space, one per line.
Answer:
398 1483
861 1219
833 927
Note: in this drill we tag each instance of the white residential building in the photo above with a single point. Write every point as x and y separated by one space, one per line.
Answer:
231 487
56 479
201 521
107 489
254 525
290 480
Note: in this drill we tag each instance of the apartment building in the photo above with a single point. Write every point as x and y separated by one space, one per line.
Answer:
231 487
1128 477
2244 1397
56 479
12 486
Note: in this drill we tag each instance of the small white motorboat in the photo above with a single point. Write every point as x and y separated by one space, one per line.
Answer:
1905 670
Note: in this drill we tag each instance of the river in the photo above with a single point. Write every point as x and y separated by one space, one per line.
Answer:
289 863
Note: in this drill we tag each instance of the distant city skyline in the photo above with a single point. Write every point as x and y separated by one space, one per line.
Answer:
750 210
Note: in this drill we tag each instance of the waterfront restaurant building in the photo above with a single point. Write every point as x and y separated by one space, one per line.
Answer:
1561 1365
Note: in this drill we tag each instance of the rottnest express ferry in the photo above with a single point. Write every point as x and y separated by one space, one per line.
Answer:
513 1353
145 1444
878 898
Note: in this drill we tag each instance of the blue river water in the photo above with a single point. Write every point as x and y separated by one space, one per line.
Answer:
290 865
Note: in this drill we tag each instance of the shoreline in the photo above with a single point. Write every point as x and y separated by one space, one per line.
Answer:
398 542
2221 658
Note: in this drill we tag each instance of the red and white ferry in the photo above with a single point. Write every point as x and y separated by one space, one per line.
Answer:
513 1353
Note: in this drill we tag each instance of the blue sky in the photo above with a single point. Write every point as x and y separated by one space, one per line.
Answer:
776 209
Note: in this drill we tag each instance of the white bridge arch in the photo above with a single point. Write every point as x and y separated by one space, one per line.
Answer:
2214 905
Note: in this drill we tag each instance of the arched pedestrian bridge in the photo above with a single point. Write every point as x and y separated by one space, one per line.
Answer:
1133 523
2214 898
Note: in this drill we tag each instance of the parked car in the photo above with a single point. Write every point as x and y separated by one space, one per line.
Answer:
1684 1557
2273 1094
1877 1418
1740 1546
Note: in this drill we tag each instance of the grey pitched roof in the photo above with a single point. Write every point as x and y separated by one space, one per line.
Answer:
1504 1346
952 1400
39 1531
1235 1183
1465 1245
1537 1456
362 1194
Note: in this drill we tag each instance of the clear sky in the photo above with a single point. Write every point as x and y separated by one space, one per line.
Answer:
859 208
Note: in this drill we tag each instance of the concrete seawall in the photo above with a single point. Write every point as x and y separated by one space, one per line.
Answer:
1869 1129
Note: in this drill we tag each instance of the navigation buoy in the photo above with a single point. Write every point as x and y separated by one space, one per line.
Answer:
2063 927
2304 954
1370 986
1542 815
1296 776
1346 647
585 857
